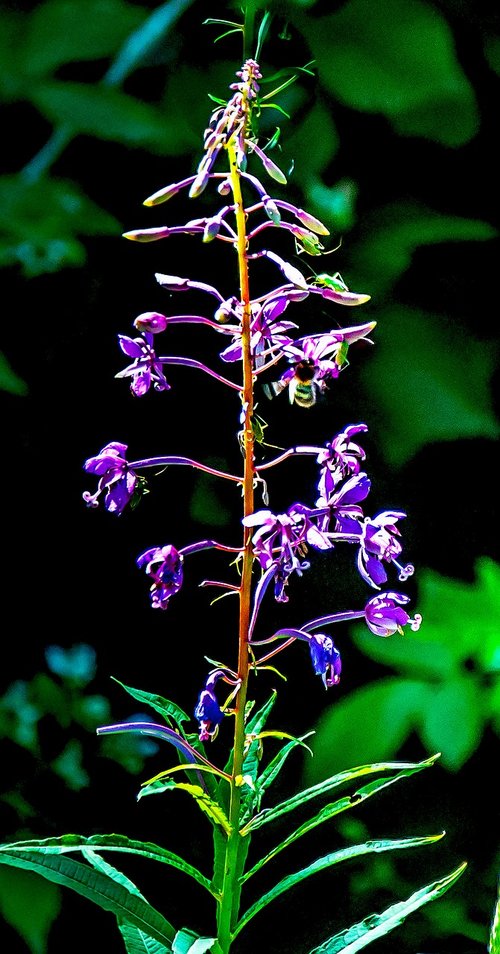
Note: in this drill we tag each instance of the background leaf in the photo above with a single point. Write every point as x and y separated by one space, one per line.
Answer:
419 380
398 59
44 906
365 726
63 31
108 114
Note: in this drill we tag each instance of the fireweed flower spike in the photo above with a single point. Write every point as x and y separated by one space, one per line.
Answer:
272 547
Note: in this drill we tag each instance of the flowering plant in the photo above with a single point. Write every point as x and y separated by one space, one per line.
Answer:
262 349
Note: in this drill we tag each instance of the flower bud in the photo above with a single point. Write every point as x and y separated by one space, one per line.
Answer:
151 321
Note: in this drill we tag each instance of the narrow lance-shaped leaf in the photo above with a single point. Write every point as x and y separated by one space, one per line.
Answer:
110 871
208 806
376 925
188 942
254 725
494 940
322 788
72 842
269 774
329 811
169 710
94 886
335 857
137 942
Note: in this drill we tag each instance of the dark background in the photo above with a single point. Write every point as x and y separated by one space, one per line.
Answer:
70 576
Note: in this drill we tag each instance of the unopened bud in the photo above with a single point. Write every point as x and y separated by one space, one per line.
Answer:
151 321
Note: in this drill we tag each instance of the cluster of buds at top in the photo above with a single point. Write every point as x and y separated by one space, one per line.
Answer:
256 331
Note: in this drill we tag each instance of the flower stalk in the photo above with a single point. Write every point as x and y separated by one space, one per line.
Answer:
275 546
228 902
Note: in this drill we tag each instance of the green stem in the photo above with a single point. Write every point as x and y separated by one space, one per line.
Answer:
226 914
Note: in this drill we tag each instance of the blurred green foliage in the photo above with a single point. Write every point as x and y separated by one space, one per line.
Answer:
64 696
44 906
448 685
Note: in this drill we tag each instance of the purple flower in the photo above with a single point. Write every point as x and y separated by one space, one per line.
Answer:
266 332
164 566
279 541
282 541
379 542
208 711
343 504
145 369
116 479
151 321
325 658
339 459
384 617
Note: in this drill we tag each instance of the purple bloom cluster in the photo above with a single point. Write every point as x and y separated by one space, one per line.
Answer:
280 542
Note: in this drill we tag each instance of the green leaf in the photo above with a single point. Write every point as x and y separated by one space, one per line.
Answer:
429 373
453 720
334 204
137 942
99 864
257 722
63 31
107 114
345 733
412 652
169 710
494 940
322 788
460 627
211 809
393 232
93 885
335 808
317 128
377 925
98 843
344 854
273 768
397 58
143 41
19 715
188 942
38 221
44 906
492 51
9 380
462 616
69 767
76 664
12 27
